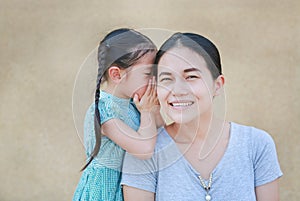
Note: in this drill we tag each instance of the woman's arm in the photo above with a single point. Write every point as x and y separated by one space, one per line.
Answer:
268 192
134 194
266 166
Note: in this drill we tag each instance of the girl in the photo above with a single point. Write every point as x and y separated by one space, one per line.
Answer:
199 156
125 59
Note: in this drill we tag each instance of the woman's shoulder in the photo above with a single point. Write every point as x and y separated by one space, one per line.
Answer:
251 134
163 139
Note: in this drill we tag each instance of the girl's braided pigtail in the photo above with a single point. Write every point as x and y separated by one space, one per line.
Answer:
102 49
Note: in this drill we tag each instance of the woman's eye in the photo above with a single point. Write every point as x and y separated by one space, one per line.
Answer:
191 77
165 79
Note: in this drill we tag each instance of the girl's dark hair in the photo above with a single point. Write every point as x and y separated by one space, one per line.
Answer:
197 43
123 48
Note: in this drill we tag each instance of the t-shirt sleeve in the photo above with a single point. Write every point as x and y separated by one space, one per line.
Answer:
266 165
139 173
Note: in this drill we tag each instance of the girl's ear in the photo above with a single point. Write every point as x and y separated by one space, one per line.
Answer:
114 74
219 83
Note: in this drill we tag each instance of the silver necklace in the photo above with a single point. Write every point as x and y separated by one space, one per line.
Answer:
206 187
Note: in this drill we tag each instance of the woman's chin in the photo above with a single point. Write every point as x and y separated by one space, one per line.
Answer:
179 119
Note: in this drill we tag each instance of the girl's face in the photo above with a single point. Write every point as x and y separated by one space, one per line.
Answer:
136 77
185 85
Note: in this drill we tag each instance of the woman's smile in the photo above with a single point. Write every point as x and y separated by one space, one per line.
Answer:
180 104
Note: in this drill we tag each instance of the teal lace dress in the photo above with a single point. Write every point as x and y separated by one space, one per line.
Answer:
100 181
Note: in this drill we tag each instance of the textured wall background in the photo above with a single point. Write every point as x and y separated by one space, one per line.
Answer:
43 43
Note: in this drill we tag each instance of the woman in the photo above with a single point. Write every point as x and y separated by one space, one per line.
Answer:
200 156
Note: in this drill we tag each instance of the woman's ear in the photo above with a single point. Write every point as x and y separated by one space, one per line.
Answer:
219 83
114 74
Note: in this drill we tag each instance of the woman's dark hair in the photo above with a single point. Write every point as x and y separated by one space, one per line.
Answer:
122 48
197 43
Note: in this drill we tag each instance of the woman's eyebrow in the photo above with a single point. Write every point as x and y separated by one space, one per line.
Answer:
164 73
191 69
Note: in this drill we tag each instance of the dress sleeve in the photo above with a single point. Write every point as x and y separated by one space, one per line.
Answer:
89 131
139 173
266 165
109 110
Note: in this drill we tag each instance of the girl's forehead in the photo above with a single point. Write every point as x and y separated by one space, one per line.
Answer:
145 62
148 58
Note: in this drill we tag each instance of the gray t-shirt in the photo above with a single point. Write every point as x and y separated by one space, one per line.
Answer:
250 160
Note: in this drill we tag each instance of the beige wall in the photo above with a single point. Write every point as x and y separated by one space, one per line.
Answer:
43 44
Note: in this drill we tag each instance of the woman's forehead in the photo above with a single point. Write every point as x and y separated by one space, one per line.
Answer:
181 58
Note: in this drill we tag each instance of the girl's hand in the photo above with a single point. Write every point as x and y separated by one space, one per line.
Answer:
148 102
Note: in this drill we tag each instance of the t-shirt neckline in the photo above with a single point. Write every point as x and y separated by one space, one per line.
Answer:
221 161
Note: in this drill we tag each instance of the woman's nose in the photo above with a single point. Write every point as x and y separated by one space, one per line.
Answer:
180 88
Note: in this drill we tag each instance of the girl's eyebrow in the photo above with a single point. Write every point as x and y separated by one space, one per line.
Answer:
191 69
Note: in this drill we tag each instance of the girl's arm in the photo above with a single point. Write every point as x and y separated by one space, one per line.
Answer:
140 143
268 192
134 194
159 119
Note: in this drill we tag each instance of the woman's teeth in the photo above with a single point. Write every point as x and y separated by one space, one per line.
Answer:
181 104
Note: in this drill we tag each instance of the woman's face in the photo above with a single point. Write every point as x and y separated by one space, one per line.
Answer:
185 85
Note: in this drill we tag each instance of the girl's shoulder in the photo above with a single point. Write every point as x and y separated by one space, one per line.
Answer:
111 107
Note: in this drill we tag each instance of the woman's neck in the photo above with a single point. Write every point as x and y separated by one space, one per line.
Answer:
199 130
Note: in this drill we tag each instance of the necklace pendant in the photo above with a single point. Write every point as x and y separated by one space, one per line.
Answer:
207 197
